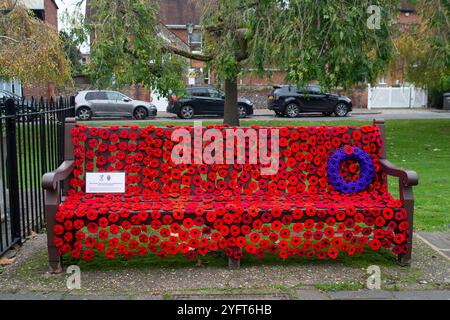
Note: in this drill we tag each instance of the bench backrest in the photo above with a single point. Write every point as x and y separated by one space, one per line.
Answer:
145 154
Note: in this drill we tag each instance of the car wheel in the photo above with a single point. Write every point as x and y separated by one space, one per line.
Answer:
84 114
140 113
279 114
242 110
187 112
292 110
327 114
341 110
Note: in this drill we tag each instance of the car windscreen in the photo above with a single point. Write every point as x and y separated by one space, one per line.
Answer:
313 89
199 92
213 93
284 89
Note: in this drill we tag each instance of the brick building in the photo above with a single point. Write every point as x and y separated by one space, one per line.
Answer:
182 17
46 10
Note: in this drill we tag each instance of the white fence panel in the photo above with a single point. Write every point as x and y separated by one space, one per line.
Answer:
398 97
420 98
159 101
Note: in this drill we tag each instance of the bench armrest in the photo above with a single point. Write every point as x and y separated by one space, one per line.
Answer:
408 178
50 180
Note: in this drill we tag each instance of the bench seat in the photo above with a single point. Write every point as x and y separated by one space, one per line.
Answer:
168 208
246 222
262 201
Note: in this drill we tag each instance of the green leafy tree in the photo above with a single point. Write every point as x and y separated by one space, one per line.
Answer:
424 48
30 50
72 51
128 47
328 41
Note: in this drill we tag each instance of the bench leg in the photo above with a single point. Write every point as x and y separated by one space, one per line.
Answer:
234 264
405 259
407 196
54 261
51 207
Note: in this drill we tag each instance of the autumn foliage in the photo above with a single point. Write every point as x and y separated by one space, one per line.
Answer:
30 49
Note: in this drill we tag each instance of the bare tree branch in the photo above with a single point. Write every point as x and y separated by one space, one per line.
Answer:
243 52
8 10
9 38
187 54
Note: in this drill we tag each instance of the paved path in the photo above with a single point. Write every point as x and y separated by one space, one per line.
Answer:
302 294
357 114
439 241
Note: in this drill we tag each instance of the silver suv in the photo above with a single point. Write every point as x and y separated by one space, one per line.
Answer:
90 104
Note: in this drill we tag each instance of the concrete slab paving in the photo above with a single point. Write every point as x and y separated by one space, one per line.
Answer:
20 282
312 294
265 114
276 296
303 294
422 295
362 295
146 298
30 296
439 241
95 297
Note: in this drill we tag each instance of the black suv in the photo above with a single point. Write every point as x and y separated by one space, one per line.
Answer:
205 101
290 101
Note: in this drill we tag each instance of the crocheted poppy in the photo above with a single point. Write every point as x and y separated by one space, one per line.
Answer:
194 209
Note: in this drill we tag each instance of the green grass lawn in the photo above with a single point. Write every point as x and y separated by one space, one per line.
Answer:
29 143
424 146
420 145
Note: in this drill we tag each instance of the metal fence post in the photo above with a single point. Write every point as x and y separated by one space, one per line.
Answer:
12 169
43 135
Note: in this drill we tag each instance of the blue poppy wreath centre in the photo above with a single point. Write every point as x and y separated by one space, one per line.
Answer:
366 175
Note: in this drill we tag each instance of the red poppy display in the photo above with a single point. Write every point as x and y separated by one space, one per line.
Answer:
194 209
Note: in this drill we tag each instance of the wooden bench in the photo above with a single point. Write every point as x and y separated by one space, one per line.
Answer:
192 209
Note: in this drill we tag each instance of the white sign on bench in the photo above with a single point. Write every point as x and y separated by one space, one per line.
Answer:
105 182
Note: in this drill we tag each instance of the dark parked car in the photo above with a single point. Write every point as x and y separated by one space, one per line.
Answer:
290 101
205 101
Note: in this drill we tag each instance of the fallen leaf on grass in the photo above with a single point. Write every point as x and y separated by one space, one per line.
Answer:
6 261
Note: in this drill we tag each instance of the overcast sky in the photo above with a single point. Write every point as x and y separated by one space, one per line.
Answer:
68 6
65 5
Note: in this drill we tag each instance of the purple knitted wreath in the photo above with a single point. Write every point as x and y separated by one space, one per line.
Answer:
367 170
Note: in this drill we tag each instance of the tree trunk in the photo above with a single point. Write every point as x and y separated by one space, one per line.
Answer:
231 116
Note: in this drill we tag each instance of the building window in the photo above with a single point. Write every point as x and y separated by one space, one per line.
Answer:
207 77
14 86
382 80
196 42
40 14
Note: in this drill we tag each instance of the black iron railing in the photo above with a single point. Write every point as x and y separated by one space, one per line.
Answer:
32 143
